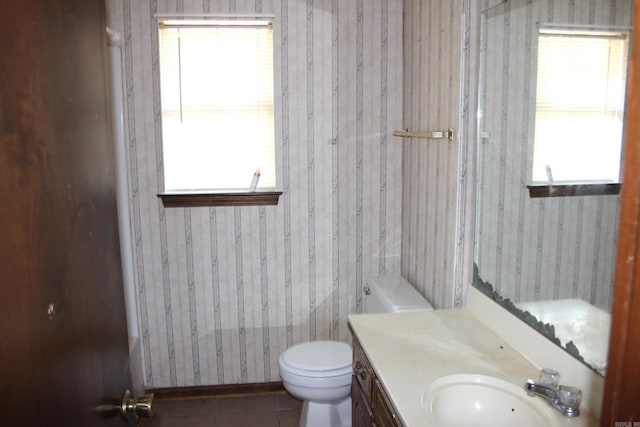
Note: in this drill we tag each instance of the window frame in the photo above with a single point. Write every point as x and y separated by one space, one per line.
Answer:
222 197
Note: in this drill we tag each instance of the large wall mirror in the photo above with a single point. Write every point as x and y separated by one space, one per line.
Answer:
546 230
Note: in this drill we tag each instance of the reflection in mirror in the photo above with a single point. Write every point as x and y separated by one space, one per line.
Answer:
549 260
569 119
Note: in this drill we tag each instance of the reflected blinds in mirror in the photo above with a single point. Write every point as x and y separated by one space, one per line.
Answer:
580 98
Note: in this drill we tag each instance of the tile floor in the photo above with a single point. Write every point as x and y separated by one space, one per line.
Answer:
274 409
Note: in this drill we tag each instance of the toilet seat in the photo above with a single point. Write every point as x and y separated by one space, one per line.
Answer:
318 359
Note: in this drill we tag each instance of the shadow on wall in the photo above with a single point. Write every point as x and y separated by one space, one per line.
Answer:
255 349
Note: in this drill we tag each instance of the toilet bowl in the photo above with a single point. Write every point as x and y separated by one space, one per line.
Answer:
319 373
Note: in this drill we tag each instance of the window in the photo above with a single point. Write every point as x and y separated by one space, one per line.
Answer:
580 97
217 105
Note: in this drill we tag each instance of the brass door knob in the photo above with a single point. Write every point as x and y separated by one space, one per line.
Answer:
133 408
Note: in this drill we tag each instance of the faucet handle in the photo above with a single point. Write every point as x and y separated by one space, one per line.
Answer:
570 396
550 378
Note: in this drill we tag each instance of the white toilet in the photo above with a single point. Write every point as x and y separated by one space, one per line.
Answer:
319 372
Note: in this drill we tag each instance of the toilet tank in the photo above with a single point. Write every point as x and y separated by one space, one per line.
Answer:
392 294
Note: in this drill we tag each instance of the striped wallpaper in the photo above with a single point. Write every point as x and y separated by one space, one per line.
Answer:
221 292
536 249
438 175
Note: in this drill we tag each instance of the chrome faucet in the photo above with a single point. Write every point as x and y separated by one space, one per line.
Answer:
565 399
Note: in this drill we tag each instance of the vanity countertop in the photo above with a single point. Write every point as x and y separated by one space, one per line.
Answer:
409 350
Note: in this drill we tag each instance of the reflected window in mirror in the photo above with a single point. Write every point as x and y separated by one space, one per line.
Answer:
579 106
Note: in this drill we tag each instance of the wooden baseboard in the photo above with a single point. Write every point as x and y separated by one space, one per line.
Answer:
215 390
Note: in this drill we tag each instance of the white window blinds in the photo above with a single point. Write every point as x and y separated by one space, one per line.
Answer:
217 104
580 97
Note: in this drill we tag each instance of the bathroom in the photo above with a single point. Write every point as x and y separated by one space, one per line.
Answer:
221 292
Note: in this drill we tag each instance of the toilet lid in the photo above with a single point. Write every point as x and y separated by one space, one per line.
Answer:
318 356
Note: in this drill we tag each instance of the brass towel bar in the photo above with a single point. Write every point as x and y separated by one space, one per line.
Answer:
421 134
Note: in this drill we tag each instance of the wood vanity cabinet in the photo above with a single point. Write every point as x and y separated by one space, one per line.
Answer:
370 404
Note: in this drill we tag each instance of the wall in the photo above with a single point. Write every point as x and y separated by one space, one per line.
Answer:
221 292
547 248
438 175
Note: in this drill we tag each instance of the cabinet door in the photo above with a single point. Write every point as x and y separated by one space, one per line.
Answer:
383 412
362 371
361 413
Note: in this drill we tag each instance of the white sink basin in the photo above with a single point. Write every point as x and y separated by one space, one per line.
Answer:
469 400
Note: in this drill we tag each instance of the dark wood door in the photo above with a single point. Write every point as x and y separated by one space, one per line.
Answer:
63 339
622 384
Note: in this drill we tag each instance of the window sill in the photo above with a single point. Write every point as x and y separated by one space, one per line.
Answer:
567 190
184 199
